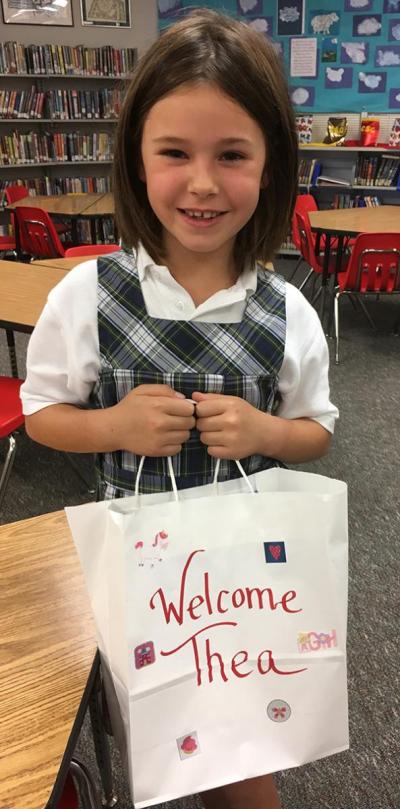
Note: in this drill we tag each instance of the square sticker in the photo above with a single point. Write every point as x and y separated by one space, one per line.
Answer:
144 655
274 552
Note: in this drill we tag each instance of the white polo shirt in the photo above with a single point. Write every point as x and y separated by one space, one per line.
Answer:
63 358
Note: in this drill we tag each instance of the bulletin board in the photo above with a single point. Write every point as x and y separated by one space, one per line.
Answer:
340 56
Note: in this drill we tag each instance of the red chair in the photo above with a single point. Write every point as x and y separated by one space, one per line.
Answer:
91 250
305 203
7 245
11 419
373 268
15 192
69 798
37 234
308 254
80 789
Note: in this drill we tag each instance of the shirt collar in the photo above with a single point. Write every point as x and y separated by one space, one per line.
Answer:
247 280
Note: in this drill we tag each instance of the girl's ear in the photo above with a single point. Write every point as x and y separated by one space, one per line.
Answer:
264 180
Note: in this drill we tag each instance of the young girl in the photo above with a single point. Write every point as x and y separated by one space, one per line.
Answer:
180 345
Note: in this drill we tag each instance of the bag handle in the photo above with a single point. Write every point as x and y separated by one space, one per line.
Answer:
173 481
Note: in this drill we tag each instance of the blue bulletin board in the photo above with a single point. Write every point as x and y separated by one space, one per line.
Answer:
358 47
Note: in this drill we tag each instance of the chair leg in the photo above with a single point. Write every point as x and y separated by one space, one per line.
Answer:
336 306
85 785
366 313
10 457
298 263
316 296
306 280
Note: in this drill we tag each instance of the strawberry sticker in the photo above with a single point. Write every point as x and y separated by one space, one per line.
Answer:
274 552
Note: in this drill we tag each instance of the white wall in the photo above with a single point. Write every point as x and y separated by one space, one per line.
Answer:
143 30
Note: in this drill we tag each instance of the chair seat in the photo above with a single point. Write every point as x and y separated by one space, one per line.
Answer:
11 416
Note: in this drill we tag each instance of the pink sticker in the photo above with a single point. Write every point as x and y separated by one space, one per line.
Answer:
188 746
144 655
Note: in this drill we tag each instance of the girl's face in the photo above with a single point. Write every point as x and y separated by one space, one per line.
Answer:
203 159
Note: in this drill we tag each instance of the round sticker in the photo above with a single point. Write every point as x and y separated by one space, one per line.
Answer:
278 710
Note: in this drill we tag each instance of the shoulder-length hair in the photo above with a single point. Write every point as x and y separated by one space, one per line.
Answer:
211 47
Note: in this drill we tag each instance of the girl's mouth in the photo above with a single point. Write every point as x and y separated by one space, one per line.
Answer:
201 219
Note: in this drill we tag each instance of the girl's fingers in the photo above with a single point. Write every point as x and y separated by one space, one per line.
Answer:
211 439
210 424
211 407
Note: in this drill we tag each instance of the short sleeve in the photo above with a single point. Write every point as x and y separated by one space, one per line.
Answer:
303 379
63 352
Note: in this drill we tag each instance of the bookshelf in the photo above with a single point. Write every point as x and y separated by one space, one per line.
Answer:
58 109
365 175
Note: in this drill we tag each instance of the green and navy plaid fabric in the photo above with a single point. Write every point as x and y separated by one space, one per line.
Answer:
239 359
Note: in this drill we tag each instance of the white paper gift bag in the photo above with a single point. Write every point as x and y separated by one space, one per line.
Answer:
221 617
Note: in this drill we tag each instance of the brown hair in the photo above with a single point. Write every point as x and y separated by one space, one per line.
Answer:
211 47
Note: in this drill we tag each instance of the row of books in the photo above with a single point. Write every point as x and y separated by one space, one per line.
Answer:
379 170
33 148
358 201
59 60
104 231
62 185
309 171
61 105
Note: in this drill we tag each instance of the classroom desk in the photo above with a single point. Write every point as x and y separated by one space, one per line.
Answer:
47 668
23 293
71 205
101 207
62 263
344 222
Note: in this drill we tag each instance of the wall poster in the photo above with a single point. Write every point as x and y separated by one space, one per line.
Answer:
357 44
37 12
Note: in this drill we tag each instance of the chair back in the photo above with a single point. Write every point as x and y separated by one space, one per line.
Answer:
374 264
37 234
11 418
91 250
15 192
304 204
306 241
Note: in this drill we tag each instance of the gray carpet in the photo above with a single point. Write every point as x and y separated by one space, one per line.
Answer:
365 453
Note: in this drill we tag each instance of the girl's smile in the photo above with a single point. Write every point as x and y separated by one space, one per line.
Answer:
203 159
198 218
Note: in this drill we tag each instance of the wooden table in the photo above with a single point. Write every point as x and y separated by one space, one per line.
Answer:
101 207
46 665
65 264
344 222
23 293
72 205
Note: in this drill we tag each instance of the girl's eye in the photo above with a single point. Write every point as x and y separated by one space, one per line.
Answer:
176 153
232 157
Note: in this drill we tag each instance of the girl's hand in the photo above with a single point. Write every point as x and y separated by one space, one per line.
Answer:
152 420
229 426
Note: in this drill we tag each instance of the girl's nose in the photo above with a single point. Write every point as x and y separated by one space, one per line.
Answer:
202 181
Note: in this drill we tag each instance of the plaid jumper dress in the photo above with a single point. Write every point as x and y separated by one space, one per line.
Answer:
239 359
